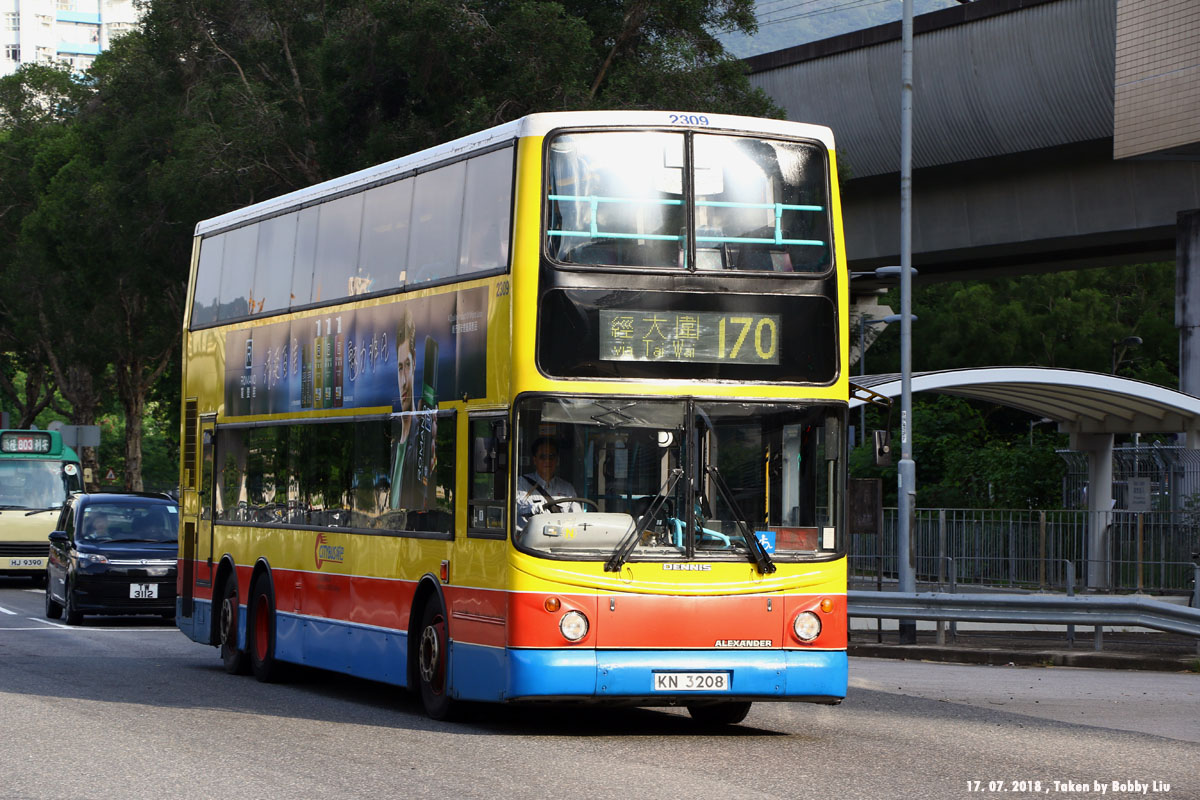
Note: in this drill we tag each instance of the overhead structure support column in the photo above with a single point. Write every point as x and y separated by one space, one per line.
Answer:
1187 299
1099 449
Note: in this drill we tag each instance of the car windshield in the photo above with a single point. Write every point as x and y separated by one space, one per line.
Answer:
35 484
129 522
626 479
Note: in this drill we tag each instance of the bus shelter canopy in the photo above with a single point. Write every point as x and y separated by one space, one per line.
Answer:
1079 401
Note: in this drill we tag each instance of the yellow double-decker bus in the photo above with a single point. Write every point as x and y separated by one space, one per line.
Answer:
37 472
554 412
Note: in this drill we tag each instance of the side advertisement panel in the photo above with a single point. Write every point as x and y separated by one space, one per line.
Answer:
407 355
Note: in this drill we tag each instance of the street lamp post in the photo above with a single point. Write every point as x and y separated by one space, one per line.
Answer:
906 571
863 322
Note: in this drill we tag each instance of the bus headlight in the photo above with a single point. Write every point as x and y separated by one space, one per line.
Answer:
806 626
573 625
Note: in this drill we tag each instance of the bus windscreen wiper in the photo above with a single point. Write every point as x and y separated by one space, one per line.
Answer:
761 556
41 510
632 538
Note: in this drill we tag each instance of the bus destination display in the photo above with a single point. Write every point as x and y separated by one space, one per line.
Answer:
708 337
25 443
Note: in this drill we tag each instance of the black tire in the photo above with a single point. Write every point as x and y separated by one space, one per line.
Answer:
54 609
730 713
74 615
235 660
260 631
433 662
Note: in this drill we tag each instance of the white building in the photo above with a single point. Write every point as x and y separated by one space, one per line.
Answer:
60 31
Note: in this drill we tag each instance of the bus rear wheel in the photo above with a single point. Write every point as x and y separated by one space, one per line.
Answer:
260 635
719 713
234 660
432 662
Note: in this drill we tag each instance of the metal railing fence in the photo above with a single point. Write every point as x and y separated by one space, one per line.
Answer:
1028 549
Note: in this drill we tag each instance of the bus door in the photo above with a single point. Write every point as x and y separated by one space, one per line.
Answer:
197 532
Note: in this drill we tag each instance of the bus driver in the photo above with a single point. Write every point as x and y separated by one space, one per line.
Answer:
536 489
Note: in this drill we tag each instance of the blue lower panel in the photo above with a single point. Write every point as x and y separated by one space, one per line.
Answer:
195 627
767 674
477 672
372 653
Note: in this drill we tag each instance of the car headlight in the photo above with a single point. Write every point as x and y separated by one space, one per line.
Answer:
806 626
573 625
87 559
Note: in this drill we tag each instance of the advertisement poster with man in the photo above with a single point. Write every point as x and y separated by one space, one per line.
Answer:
405 356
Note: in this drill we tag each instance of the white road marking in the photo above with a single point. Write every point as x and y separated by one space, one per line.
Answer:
47 625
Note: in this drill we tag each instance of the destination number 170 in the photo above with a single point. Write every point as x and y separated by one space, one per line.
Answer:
766 336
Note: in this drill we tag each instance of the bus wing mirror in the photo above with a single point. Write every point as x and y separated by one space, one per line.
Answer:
883 448
500 431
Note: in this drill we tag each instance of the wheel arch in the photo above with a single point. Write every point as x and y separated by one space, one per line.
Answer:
429 588
262 567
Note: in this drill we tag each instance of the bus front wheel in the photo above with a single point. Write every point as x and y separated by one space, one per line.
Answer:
432 661
719 713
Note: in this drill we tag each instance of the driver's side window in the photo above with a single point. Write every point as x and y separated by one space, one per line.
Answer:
489 476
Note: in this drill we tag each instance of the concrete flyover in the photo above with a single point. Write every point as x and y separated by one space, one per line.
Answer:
1089 406
1048 134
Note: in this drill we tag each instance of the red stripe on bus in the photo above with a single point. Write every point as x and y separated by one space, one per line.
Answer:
657 621
497 618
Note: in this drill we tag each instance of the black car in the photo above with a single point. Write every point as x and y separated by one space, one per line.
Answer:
113 554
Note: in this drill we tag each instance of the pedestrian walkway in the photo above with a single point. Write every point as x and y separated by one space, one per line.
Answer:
1122 650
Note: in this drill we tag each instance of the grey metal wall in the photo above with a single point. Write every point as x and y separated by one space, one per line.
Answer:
1035 77
1012 145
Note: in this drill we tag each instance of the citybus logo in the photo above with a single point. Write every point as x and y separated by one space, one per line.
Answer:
327 553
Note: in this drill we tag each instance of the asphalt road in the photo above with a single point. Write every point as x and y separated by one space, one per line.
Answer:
129 708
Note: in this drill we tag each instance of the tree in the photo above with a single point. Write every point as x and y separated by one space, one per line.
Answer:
41 319
1062 319
214 104
974 454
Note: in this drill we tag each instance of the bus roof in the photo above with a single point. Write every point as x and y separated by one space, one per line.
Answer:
532 125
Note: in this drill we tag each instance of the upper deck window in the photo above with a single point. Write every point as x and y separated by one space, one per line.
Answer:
446 223
747 204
